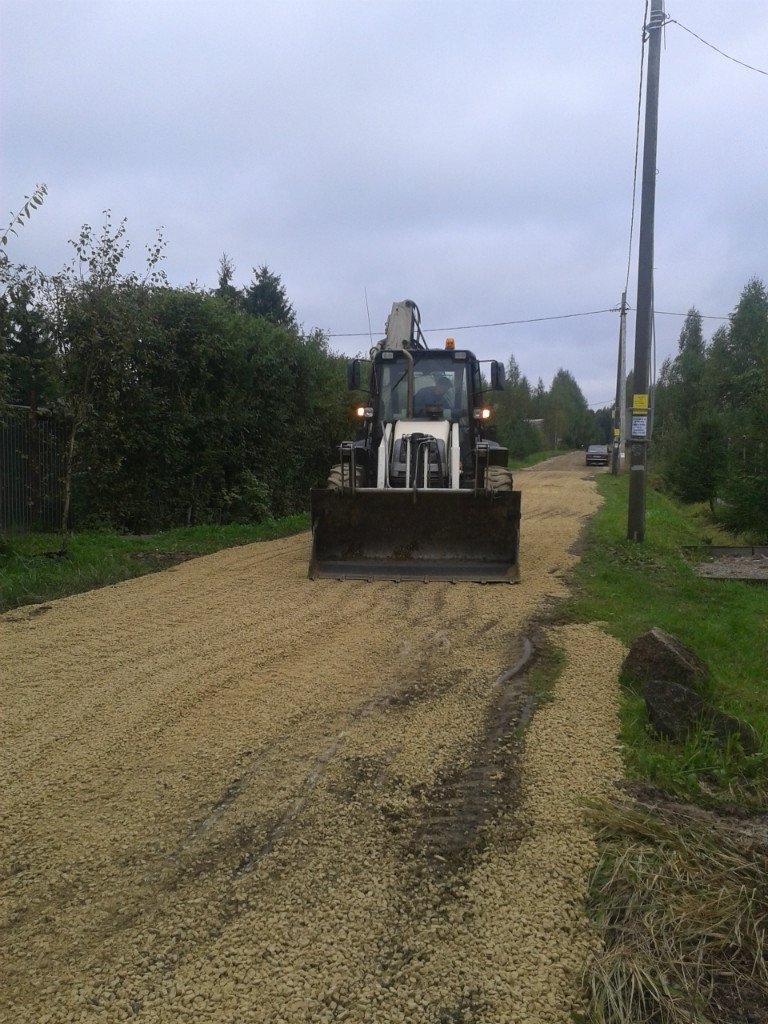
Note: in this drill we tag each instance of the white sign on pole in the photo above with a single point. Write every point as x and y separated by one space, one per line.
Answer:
639 426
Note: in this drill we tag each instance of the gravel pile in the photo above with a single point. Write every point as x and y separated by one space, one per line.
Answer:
234 795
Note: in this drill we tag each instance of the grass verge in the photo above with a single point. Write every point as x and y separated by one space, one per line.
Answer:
680 892
631 587
33 570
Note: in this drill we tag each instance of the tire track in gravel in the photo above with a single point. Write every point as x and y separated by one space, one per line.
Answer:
461 803
234 795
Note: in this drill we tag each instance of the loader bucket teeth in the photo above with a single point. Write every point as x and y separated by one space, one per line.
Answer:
429 535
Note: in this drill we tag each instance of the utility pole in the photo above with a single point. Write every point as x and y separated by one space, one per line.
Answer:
620 415
638 448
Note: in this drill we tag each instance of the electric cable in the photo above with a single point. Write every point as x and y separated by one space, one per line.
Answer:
533 320
667 312
499 323
674 21
614 309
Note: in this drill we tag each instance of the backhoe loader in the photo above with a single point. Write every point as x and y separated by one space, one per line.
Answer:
423 492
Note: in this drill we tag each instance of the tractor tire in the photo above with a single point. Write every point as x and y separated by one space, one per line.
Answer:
498 478
339 481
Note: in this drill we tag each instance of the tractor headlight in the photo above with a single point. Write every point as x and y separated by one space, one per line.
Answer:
482 414
364 412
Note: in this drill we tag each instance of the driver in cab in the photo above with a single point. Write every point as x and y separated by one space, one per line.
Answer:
437 395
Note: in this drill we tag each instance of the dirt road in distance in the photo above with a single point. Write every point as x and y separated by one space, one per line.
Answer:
231 794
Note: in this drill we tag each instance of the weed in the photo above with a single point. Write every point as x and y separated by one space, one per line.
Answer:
682 908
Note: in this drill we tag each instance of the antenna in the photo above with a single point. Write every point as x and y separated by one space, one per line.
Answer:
368 312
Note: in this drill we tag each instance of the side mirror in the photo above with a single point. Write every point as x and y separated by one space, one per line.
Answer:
353 374
498 376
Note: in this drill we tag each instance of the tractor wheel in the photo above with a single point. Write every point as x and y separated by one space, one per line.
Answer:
498 478
338 478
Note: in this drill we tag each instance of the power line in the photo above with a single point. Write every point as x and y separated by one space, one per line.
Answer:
499 323
674 21
531 320
704 316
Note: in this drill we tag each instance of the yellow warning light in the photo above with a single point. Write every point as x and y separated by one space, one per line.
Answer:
450 343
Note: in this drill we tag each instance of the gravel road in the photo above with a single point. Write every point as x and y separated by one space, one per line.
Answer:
231 794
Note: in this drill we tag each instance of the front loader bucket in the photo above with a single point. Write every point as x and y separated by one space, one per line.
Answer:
429 535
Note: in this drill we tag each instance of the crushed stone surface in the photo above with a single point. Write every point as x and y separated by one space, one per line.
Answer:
231 794
741 567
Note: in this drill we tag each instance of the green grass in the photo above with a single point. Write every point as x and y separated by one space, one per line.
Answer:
679 896
97 558
633 586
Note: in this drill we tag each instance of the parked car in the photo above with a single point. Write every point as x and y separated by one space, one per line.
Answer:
597 455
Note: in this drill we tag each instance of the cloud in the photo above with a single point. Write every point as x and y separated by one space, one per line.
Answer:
476 158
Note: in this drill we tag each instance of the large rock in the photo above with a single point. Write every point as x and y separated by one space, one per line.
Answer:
659 655
674 711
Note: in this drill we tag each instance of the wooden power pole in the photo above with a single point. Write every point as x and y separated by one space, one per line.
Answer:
619 414
638 447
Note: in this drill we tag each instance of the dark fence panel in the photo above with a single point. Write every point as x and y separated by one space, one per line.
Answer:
31 471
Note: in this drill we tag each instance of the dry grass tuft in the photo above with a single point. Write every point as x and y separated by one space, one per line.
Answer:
681 903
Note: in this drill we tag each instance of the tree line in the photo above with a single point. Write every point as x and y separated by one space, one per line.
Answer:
185 406
530 419
711 415
180 405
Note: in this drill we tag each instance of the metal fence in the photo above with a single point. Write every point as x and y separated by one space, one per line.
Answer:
31 470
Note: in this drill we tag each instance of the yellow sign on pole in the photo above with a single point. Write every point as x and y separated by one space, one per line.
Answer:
640 403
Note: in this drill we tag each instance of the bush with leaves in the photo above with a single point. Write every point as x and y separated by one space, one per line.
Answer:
181 406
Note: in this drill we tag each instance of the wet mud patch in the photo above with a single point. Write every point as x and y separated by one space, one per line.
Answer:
445 830
459 806
421 687
469 1008
456 809
161 559
361 778
577 548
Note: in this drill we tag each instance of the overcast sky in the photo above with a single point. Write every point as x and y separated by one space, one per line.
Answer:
474 156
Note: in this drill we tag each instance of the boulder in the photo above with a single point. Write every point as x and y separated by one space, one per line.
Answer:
659 655
675 711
